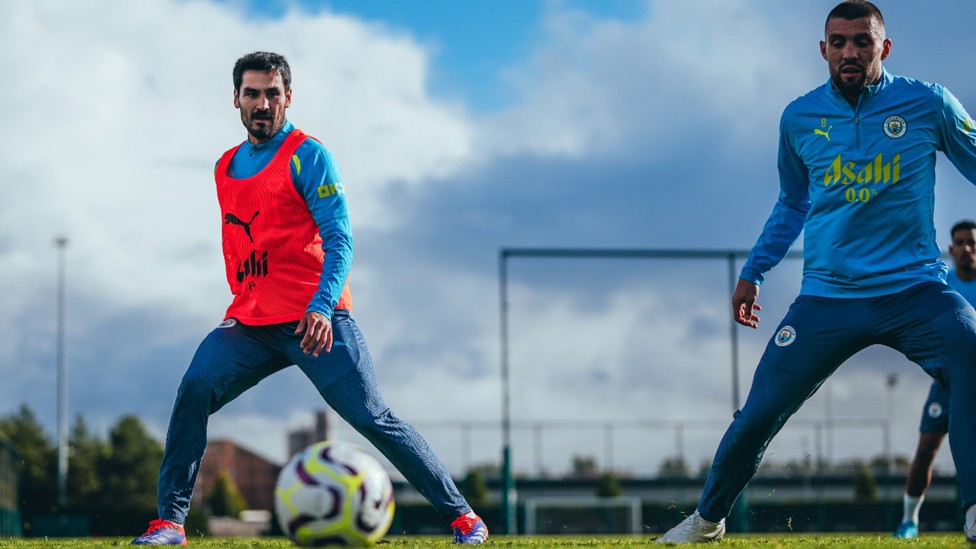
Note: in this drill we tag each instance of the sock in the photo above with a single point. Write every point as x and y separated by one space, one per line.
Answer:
971 520
911 506
709 522
471 514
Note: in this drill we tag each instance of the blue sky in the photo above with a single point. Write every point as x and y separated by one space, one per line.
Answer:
461 128
472 41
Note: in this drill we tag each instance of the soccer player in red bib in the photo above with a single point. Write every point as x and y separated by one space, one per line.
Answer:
287 249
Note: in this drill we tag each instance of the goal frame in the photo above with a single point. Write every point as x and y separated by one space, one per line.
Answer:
508 494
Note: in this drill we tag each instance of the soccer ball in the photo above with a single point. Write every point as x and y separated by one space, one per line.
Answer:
334 493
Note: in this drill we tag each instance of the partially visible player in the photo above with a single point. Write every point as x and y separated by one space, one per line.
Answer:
935 414
857 159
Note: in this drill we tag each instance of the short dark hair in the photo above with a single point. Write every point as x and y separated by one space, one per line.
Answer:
264 61
855 9
964 225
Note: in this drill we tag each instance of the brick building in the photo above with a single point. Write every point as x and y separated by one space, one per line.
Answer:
253 475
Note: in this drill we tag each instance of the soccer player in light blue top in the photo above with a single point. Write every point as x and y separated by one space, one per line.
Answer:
935 413
857 175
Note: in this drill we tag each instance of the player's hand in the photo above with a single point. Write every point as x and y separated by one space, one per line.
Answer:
318 333
744 303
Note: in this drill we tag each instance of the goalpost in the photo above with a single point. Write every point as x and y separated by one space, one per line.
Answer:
587 515
508 495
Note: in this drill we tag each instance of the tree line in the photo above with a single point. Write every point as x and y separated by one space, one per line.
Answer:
111 484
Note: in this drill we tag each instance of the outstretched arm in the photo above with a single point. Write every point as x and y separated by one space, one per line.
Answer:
780 231
959 136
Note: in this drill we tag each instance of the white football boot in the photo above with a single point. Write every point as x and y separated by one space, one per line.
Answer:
694 529
971 524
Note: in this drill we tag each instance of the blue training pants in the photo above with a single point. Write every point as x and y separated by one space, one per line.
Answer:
929 323
235 357
935 413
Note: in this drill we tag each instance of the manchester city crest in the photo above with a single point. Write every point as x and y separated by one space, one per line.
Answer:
895 126
785 336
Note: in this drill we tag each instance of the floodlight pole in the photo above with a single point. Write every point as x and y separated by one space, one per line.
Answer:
891 381
62 242
734 335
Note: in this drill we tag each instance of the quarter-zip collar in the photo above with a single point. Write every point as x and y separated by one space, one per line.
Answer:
276 140
866 94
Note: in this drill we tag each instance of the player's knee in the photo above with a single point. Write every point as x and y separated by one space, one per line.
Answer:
367 420
195 388
928 445
962 335
759 420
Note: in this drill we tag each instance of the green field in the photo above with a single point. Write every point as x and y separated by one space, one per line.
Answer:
834 541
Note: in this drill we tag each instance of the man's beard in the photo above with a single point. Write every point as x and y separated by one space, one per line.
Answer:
265 131
850 87
966 267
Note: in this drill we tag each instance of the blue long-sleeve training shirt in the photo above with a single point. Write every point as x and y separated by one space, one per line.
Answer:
316 177
967 288
861 182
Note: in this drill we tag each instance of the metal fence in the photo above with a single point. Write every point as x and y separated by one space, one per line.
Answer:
630 447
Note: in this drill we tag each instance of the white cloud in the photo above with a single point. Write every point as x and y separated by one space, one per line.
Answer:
121 124
596 86
120 111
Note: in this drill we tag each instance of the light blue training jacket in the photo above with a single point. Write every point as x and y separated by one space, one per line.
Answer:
860 182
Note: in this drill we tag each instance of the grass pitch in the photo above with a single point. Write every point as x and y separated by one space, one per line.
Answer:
772 541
